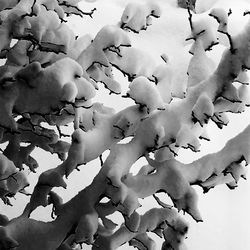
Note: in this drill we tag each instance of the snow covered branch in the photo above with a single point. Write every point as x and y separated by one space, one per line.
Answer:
50 78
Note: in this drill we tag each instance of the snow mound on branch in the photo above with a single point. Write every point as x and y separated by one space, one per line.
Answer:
145 93
137 16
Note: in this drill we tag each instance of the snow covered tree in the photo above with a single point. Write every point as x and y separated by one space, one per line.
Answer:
50 79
